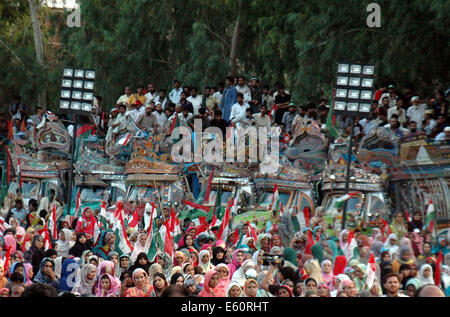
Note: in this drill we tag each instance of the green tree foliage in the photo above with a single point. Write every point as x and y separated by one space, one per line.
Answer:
295 42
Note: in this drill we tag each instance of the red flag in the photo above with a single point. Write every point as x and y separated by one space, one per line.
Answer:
24 243
281 210
119 208
47 242
437 271
202 227
306 215
10 130
168 243
225 220
172 220
150 228
135 219
175 119
385 226
309 243
8 165
124 233
197 206
77 208
251 232
54 229
350 236
6 264
236 236
208 188
408 217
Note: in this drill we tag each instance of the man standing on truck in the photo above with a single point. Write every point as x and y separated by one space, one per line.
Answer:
47 203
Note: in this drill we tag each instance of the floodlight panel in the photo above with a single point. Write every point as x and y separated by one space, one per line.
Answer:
352 106
68 72
364 107
343 68
77 94
78 84
355 81
89 85
90 74
65 93
75 105
355 69
341 93
86 106
66 83
63 104
353 94
366 95
79 73
342 80
340 105
88 96
367 82
368 70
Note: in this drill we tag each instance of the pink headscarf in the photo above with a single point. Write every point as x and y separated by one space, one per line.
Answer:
327 277
101 269
28 268
112 290
11 242
223 282
234 265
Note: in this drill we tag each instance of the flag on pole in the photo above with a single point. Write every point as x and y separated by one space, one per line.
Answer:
53 227
3 225
341 200
126 140
150 227
196 206
309 243
168 242
125 245
407 216
225 221
46 236
135 219
370 271
251 232
6 261
437 271
19 174
272 111
77 207
430 224
306 215
208 187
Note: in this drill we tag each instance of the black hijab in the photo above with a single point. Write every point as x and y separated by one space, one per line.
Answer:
78 248
214 259
137 265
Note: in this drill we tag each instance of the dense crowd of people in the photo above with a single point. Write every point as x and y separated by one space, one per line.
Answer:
401 260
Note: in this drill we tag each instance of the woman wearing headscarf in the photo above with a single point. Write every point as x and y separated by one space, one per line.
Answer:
360 277
29 274
331 250
209 285
239 275
142 286
346 247
250 288
64 243
337 281
442 244
141 245
84 259
159 285
177 279
391 245
416 224
154 268
85 281
28 239
107 267
258 260
105 244
375 248
69 272
405 257
426 275
46 274
10 242
290 255
107 286
36 253
234 290
317 252
263 242
236 262
312 268
398 225
81 244
327 273
205 262
412 286
141 262
58 265
20 231
166 262
375 232
124 264
193 255
87 223
224 275
218 255
426 253
179 258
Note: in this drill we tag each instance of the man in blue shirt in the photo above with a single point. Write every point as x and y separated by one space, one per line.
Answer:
229 98
18 212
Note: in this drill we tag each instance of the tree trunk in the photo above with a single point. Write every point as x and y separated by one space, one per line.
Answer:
235 43
39 48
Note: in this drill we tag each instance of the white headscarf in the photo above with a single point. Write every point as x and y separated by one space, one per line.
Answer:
83 286
64 246
205 266
231 286
393 248
422 279
347 248
240 276
139 247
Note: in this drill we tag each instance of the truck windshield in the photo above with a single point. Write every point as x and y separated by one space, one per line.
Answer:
266 198
93 194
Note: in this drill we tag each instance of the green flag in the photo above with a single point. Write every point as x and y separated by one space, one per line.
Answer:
331 127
